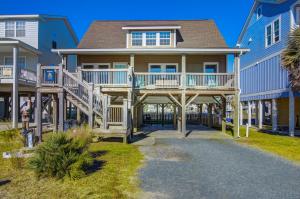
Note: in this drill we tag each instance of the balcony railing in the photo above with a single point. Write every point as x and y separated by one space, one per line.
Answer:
157 80
209 80
49 75
143 80
108 77
6 72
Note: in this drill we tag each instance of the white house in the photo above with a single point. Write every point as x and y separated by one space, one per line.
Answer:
25 42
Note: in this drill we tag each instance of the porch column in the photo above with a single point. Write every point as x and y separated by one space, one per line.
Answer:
54 100
15 91
224 115
249 113
209 122
174 116
241 113
260 114
130 91
274 115
237 96
291 113
183 95
38 113
256 113
61 112
6 107
179 119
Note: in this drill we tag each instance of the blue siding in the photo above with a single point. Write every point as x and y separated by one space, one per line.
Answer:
263 76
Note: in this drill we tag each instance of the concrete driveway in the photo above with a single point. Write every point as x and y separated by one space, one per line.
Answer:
212 167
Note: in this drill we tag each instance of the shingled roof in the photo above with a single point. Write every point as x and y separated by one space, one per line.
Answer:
193 33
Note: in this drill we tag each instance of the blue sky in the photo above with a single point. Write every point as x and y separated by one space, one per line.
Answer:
229 15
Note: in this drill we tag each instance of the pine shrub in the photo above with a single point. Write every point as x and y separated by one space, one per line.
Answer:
62 156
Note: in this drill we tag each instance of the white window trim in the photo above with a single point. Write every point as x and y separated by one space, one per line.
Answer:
144 39
13 60
116 63
273 33
96 65
210 63
15 28
162 66
259 17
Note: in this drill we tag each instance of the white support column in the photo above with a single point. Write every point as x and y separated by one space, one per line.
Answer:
15 91
260 114
249 113
38 116
237 96
274 115
241 114
61 112
183 95
91 112
291 113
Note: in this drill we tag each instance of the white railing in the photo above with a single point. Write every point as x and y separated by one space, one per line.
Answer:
49 75
97 104
76 87
111 77
28 75
6 71
115 114
157 80
209 80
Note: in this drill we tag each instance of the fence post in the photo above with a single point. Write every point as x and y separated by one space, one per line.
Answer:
247 130
125 114
91 100
38 75
105 109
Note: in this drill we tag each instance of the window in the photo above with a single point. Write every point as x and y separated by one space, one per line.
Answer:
276 31
8 61
269 35
272 33
9 29
137 39
96 65
120 65
259 12
54 45
151 38
20 28
165 38
211 67
163 68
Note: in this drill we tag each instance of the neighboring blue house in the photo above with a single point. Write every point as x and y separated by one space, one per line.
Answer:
263 80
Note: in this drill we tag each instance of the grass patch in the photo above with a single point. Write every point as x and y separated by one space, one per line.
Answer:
284 146
113 175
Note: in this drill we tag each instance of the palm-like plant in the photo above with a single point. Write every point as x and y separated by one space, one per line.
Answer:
291 59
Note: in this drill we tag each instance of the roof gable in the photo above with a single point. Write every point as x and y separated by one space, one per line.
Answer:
192 34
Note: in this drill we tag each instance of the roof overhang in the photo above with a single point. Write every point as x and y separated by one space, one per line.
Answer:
19 44
78 51
151 27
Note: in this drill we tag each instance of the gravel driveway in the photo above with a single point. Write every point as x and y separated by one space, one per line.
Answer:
215 168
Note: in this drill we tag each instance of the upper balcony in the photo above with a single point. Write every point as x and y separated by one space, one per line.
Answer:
25 76
127 78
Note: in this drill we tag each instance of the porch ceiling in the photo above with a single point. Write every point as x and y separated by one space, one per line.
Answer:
8 44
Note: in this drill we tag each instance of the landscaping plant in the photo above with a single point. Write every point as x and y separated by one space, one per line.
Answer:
62 155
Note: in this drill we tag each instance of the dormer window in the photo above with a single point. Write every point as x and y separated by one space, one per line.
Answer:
150 38
137 38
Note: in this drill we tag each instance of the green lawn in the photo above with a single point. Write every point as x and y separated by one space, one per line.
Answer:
284 146
114 176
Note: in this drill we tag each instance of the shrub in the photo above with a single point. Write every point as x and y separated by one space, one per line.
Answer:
60 156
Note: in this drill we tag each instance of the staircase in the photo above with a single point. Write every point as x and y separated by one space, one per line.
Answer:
83 96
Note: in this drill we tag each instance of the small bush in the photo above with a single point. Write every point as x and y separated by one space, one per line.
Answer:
60 156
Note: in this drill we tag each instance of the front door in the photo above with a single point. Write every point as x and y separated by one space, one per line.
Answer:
120 77
210 80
